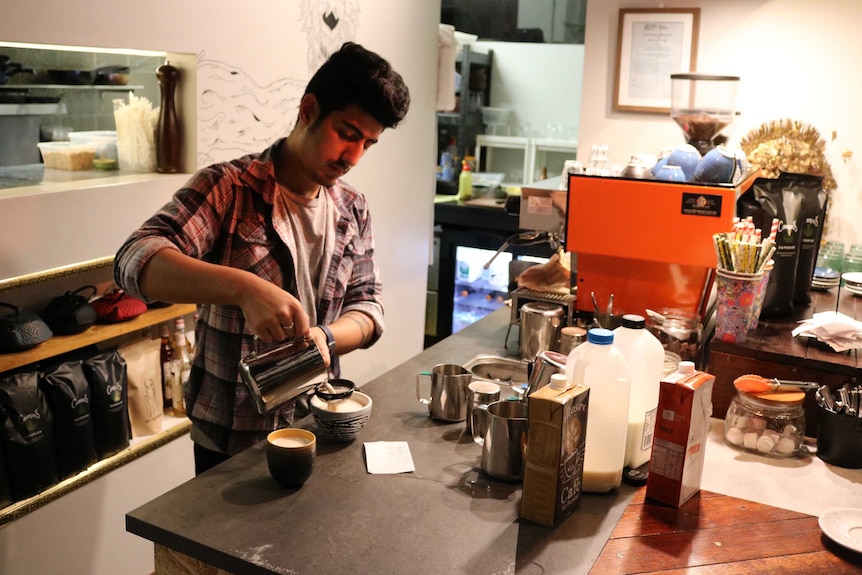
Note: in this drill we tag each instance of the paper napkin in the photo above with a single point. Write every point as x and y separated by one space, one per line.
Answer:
839 331
388 457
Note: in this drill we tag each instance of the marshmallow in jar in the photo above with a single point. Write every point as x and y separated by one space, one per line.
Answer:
771 424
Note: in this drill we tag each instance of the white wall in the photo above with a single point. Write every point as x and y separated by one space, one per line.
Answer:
264 39
797 59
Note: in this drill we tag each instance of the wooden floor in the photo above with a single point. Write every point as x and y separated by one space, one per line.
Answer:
712 534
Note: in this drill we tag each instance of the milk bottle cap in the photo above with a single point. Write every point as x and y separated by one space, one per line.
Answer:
600 336
633 321
559 381
686 367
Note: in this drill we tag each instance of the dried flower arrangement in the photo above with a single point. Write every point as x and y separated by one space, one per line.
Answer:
788 146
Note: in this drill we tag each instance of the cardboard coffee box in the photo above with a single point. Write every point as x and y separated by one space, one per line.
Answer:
554 466
682 424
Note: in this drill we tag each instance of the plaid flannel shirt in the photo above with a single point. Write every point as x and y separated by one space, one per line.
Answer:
213 218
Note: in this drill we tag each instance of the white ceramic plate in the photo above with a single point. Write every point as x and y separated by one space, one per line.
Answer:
843 525
854 291
852 277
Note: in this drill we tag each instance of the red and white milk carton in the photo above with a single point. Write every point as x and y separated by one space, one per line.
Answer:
681 428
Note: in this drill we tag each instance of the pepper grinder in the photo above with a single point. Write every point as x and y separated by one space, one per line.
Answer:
168 131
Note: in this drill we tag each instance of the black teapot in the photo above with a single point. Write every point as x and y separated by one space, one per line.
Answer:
71 313
21 330
9 69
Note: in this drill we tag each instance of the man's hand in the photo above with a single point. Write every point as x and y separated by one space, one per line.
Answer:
319 337
270 312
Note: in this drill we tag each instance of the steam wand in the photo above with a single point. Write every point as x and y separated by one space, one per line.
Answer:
526 239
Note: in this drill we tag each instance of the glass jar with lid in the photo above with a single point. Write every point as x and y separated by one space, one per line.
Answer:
680 333
771 424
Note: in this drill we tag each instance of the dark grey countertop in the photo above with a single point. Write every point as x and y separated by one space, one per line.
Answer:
446 517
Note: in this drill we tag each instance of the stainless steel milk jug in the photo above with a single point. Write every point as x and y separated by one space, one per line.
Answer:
276 376
540 327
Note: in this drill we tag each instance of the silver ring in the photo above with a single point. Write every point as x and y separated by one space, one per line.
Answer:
287 327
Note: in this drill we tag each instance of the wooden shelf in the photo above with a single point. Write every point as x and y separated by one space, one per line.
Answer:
98 333
172 428
89 87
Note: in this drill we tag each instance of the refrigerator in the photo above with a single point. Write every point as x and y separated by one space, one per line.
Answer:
461 290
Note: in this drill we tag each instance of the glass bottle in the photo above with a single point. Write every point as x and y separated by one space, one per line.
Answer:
166 355
465 183
182 366
180 327
190 335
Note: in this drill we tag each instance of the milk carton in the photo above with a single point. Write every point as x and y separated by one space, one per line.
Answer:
682 424
554 466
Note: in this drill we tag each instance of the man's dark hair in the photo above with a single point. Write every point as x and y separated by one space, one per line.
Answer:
354 75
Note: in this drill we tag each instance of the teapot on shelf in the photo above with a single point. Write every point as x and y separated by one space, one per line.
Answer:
9 69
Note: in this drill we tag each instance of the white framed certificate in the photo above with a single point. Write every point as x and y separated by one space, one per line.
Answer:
652 44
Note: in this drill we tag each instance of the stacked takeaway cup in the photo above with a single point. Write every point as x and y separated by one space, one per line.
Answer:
744 261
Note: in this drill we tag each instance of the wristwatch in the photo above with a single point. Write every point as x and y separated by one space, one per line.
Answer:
330 339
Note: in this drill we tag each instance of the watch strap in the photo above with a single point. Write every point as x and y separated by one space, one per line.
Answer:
330 339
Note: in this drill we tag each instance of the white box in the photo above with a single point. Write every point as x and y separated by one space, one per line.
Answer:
103 141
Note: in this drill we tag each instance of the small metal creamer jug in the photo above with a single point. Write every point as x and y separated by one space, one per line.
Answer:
449 393
540 328
504 442
276 376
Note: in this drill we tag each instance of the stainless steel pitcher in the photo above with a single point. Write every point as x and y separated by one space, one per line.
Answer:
449 394
504 443
546 364
540 327
276 376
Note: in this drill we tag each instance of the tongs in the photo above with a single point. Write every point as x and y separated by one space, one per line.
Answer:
751 383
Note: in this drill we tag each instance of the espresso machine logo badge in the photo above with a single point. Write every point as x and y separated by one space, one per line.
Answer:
701 205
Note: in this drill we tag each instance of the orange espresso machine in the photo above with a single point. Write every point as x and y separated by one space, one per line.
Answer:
647 242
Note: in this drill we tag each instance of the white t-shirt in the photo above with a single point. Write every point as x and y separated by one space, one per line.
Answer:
307 225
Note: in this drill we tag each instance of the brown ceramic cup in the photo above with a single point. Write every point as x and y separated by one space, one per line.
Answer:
290 455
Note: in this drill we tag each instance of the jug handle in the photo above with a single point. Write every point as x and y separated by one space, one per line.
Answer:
479 418
422 400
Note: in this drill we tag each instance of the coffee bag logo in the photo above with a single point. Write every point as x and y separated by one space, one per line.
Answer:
810 227
114 392
81 407
787 230
30 421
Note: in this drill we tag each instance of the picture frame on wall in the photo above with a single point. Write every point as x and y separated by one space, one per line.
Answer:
652 44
